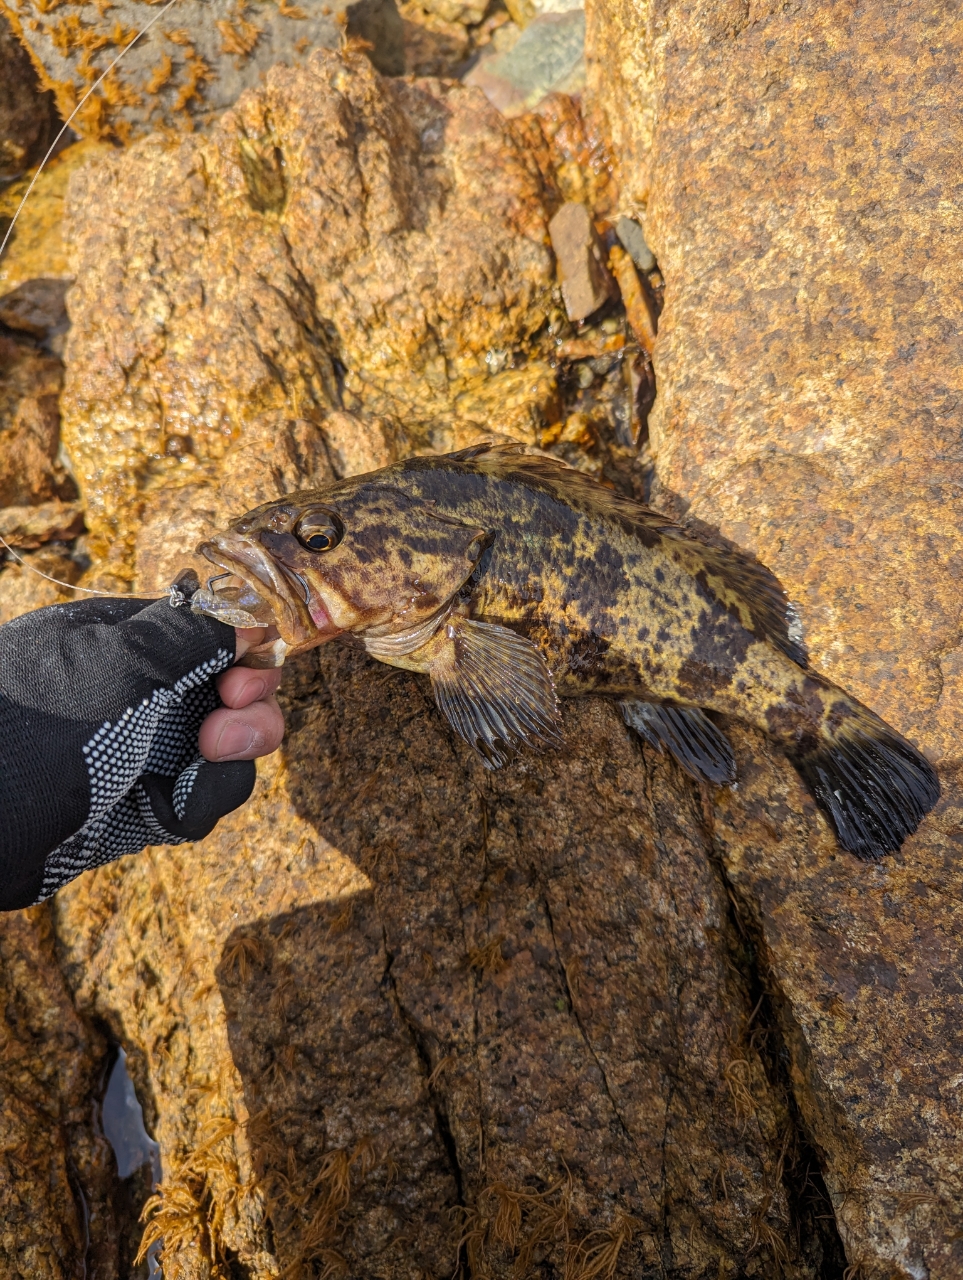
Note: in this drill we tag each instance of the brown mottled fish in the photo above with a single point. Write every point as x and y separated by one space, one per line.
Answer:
511 579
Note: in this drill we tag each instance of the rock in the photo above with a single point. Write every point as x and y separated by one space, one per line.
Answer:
385 279
463 12
30 471
188 69
48 522
57 1176
22 590
636 298
548 57
27 117
809 408
396 1002
633 241
433 45
454 992
36 307
586 283
278 455
36 249
356 446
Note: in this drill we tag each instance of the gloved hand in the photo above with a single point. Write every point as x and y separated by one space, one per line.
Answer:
101 706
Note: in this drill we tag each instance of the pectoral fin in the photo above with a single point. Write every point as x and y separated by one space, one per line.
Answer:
495 688
687 734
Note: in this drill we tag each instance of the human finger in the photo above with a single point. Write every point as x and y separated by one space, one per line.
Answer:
240 686
242 734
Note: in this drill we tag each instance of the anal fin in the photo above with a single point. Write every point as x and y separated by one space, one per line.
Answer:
495 688
687 734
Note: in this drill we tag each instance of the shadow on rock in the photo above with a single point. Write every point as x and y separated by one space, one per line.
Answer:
528 1046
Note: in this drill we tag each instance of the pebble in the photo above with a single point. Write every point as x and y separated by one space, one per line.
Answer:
547 57
632 238
35 307
586 282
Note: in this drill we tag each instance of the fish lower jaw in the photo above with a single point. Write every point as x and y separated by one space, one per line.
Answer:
296 626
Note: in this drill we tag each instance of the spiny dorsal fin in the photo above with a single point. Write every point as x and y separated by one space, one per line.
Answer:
736 578
495 688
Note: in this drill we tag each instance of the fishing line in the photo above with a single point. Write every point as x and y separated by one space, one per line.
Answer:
88 591
3 245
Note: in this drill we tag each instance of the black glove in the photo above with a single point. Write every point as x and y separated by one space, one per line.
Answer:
100 707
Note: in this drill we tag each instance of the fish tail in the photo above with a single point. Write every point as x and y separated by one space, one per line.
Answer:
875 787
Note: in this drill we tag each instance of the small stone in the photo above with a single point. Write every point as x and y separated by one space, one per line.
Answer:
548 57
636 297
586 283
632 238
35 307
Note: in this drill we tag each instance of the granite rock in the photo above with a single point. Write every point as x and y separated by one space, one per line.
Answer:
35 249
396 1000
397 1011
339 243
797 171
193 63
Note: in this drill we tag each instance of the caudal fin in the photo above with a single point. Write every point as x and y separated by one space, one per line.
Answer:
875 787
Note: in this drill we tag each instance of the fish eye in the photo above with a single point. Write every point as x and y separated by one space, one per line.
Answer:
319 530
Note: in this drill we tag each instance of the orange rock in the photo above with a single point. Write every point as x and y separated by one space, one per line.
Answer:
799 169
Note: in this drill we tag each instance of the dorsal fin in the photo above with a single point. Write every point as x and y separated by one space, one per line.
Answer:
734 577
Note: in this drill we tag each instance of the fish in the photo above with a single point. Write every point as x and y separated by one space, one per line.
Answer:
513 581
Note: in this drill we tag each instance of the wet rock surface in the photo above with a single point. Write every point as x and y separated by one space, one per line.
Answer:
809 408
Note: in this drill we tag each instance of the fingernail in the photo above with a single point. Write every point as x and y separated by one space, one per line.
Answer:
258 684
235 738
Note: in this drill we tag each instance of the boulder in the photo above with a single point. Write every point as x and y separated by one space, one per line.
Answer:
339 243
193 63
398 1010
796 174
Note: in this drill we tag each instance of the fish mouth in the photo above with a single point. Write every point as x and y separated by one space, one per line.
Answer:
300 617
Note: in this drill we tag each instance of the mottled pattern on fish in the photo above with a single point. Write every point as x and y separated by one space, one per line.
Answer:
482 566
